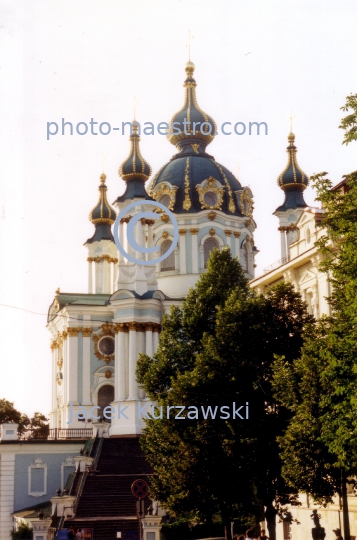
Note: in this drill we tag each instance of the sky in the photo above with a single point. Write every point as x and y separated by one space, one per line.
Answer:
255 61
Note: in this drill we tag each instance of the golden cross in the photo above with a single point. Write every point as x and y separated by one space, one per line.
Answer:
134 107
291 121
188 44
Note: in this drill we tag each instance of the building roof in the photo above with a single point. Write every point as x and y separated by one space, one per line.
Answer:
102 216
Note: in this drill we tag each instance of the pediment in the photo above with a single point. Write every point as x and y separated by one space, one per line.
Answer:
307 275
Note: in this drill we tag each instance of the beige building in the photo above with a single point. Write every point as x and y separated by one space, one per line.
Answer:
299 265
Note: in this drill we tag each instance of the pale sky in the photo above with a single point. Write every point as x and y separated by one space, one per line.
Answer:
255 61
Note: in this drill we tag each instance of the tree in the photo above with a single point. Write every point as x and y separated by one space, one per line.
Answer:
23 532
36 428
349 123
321 440
218 351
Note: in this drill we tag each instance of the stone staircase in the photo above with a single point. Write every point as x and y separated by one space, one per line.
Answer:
106 504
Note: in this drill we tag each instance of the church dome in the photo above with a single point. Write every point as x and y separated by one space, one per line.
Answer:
293 181
292 177
134 170
190 125
192 183
134 167
102 216
102 212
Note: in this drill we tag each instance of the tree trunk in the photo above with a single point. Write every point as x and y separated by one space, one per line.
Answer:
227 530
346 521
270 516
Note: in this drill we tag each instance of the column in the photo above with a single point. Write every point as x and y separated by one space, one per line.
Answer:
132 361
150 242
105 266
63 337
176 253
120 358
7 487
236 241
194 251
156 337
149 350
201 254
86 396
90 275
228 234
182 245
72 365
53 415
283 241
140 349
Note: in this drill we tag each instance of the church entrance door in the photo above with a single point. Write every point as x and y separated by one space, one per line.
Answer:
105 398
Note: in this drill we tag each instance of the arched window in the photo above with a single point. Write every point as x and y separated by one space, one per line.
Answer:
165 200
245 257
169 262
208 245
105 397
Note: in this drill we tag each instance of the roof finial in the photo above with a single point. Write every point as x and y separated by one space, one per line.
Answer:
135 104
188 44
291 121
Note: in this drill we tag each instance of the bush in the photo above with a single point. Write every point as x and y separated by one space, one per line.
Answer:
23 532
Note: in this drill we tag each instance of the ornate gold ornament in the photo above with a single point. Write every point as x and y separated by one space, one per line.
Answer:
212 215
237 234
231 205
195 148
228 232
165 234
182 232
102 345
165 218
86 332
246 202
64 335
212 232
54 344
73 332
60 363
165 189
247 222
102 258
108 374
211 185
187 202
194 231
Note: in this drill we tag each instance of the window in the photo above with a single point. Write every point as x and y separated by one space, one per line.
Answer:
165 200
209 244
37 478
168 263
105 397
286 530
67 468
245 258
210 198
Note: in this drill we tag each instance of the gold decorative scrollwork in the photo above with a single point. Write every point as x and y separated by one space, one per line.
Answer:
246 202
231 205
165 189
187 202
210 186
107 331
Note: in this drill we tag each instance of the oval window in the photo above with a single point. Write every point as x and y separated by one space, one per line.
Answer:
210 198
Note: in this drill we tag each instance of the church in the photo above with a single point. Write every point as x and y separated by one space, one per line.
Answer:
96 337
80 478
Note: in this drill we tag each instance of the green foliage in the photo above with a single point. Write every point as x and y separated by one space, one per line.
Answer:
23 532
349 123
216 351
39 427
320 388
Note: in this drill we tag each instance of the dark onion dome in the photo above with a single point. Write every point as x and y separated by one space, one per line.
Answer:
134 170
102 215
187 172
192 113
293 181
